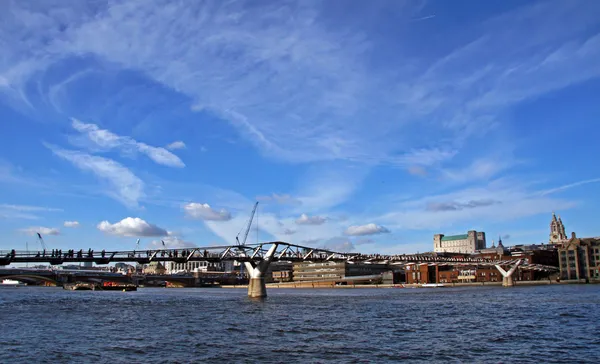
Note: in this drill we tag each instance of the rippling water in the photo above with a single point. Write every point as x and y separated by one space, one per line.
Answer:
551 324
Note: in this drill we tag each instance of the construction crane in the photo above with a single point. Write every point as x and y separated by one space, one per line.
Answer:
41 241
247 227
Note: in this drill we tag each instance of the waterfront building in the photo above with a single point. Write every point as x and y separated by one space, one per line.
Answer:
464 243
580 259
557 231
424 273
309 271
154 268
193 266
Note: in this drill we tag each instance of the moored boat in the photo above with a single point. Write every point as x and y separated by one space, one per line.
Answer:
12 283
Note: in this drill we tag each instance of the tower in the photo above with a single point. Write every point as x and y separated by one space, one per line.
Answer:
557 230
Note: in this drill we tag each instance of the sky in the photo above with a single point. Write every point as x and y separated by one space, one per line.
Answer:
357 126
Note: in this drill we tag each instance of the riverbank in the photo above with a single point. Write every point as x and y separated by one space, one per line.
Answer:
318 285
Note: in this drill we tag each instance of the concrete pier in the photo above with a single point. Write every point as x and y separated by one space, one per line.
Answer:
507 279
256 271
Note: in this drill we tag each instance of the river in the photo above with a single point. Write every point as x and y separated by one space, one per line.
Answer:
551 324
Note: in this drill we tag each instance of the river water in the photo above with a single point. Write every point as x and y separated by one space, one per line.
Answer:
551 324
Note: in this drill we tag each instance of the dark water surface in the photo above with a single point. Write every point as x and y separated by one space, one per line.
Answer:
550 324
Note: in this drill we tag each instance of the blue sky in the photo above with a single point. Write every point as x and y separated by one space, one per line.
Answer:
365 126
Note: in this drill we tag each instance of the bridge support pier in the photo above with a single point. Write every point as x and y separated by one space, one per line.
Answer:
256 271
507 279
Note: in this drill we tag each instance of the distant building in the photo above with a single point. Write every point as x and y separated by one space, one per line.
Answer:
494 252
193 266
557 231
308 271
154 268
465 243
580 258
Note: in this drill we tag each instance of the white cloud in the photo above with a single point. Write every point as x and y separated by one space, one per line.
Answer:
368 229
41 230
105 139
304 219
205 212
71 224
131 226
176 145
124 186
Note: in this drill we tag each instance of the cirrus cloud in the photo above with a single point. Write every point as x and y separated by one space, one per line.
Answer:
105 139
71 224
41 230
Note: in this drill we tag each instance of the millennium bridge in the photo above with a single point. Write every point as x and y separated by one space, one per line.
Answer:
257 258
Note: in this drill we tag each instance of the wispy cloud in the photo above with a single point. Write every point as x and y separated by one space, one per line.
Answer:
300 59
104 139
455 205
28 208
569 186
283 199
8 211
71 224
497 201
176 145
124 186
304 219
203 211
424 17
41 230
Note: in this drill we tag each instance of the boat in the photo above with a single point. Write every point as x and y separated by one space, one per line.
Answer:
84 286
79 286
12 283
432 285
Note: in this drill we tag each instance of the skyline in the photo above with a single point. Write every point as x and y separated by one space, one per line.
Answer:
363 128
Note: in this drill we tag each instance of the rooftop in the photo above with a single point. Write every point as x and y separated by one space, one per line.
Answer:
455 237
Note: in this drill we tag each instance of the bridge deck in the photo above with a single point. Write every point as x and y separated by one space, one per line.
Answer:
253 252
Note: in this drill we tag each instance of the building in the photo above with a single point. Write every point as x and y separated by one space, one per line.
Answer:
193 266
465 243
495 252
557 231
424 273
580 259
154 268
309 271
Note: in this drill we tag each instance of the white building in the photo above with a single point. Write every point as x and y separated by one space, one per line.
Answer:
464 243
198 266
